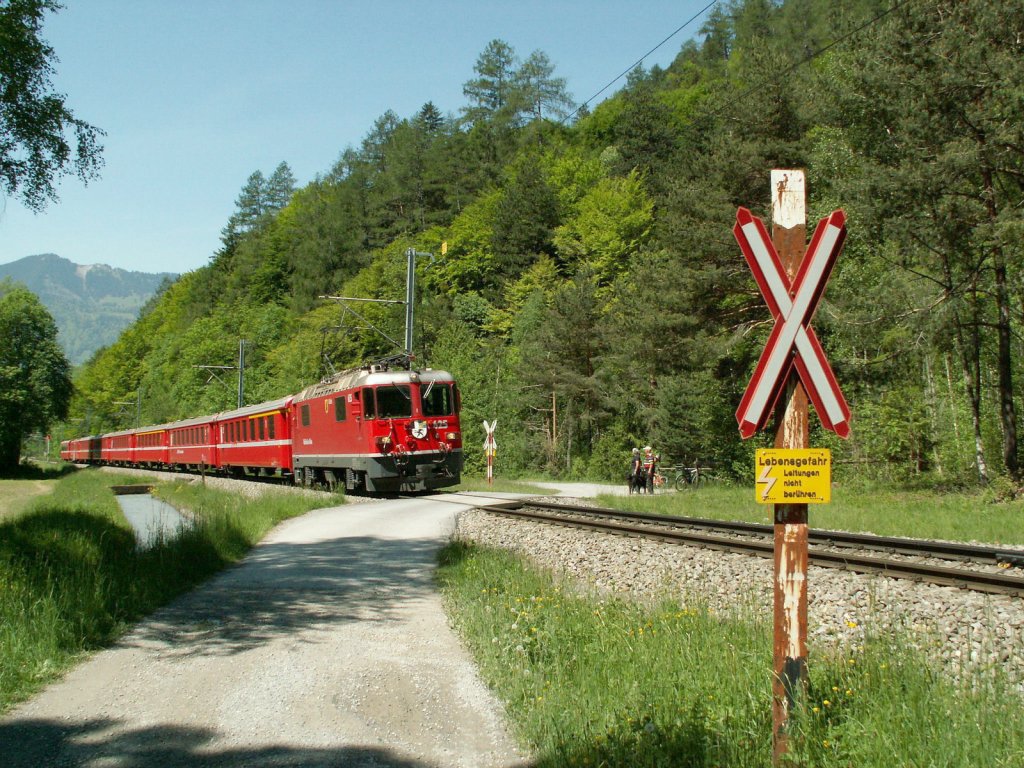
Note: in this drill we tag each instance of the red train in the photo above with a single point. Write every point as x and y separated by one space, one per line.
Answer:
374 429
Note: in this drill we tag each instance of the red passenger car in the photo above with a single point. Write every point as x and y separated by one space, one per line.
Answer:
118 448
151 447
191 444
379 430
256 438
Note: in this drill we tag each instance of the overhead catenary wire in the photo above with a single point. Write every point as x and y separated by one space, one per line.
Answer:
639 61
805 60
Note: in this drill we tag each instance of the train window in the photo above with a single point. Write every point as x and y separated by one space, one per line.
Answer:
369 404
263 428
305 415
394 402
437 400
339 408
270 427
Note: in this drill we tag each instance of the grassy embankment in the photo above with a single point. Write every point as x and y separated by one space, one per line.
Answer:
607 682
592 682
72 578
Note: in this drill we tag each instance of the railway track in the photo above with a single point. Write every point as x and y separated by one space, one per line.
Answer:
978 568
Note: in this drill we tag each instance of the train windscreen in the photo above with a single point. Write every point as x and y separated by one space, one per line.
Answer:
438 400
394 402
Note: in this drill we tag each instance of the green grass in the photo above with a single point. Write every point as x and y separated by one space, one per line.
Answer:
72 578
883 510
591 682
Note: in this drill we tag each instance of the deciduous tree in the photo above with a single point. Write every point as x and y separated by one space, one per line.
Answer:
35 123
35 376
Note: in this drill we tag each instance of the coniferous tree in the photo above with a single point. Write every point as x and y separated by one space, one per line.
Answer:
492 91
538 91
280 187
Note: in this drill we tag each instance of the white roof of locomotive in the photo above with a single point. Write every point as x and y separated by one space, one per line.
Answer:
363 377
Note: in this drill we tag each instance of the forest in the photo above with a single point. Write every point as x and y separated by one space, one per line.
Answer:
585 287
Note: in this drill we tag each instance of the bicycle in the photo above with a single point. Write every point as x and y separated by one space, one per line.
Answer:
688 477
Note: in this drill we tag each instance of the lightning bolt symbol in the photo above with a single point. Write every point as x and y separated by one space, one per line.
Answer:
769 482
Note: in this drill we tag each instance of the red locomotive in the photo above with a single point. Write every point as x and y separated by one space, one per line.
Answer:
374 429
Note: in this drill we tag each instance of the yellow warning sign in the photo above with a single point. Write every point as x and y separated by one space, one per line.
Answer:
793 475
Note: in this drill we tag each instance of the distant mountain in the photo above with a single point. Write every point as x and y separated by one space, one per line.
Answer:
92 303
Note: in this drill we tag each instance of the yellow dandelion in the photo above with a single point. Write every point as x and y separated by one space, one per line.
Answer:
825 744
835 689
815 710
849 692
827 703
851 624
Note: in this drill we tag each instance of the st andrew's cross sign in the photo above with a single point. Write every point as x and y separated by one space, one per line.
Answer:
792 341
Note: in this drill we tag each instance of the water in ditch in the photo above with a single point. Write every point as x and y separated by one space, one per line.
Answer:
153 520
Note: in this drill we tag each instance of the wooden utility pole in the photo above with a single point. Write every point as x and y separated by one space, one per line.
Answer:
789 236
792 373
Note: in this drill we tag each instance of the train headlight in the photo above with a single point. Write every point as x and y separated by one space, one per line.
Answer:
453 436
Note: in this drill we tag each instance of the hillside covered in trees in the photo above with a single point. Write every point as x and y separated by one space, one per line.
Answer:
590 295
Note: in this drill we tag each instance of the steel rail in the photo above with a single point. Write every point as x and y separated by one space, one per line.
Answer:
994 583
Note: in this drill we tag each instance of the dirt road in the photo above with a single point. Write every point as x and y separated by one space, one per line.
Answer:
327 646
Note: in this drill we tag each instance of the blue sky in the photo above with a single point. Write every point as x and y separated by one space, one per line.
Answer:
195 95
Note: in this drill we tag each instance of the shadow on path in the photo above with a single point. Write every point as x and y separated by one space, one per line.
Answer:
42 743
284 588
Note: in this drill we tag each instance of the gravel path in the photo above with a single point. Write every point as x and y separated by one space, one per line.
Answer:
967 631
327 646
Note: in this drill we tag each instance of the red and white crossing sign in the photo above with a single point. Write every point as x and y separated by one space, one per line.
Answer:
792 341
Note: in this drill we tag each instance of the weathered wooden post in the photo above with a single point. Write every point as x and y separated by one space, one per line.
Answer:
792 430
792 370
